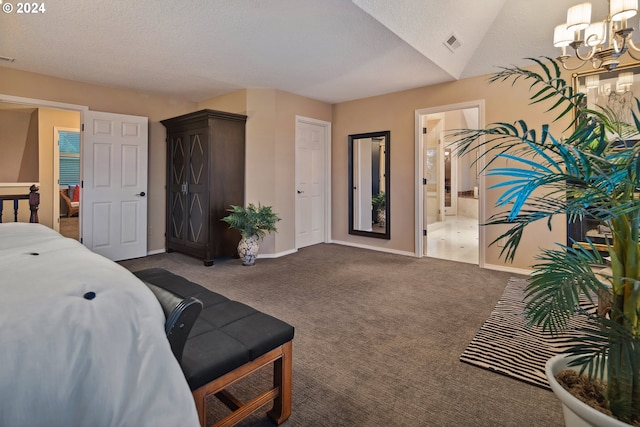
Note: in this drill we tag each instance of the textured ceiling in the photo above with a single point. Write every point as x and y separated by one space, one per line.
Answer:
329 50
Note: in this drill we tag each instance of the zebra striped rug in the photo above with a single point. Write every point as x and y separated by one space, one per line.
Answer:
504 344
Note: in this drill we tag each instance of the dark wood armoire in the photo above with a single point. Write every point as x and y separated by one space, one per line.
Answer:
205 175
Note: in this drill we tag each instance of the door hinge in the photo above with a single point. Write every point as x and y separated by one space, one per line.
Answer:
82 127
424 130
81 240
424 181
424 232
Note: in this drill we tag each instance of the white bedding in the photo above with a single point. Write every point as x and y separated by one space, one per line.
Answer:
70 361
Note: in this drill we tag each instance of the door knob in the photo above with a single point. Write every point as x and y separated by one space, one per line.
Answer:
300 192
141 194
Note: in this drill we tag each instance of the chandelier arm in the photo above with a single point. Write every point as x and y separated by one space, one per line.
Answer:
584 58
563 62
619 50
631 54
633 49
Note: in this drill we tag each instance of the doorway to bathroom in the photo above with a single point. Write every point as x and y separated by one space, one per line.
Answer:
448 196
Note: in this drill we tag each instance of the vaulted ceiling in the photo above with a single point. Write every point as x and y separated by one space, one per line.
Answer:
329 50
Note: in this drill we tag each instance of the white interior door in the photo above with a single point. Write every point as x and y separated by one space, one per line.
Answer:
113 198
311 163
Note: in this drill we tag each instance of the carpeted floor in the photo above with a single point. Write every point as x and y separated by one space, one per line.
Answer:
378 337
69 227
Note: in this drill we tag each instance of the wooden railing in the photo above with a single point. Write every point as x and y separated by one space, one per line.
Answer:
34 203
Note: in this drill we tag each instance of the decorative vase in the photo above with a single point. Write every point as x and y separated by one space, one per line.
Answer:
248 249
576 413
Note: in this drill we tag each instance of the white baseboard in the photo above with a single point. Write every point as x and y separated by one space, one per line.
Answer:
504 268
374 248
278 254
508 269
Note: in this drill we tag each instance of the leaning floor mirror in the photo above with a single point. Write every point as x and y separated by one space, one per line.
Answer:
369 185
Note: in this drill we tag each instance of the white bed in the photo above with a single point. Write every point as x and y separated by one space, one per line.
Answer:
66 360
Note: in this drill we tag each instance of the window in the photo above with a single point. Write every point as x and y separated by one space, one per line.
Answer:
69 157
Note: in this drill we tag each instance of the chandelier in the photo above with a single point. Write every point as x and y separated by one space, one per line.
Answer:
601 42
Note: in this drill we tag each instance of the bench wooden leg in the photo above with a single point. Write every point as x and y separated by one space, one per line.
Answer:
200 397
283 380
281 357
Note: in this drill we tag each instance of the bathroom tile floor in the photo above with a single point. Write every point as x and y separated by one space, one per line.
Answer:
456 239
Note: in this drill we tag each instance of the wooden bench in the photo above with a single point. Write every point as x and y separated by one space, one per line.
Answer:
229 341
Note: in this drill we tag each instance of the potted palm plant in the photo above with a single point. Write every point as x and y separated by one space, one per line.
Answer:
253 223
590 171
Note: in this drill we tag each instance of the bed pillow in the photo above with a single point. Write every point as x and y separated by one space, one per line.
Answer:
76 194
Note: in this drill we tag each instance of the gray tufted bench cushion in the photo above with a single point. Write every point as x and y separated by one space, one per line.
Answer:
227 336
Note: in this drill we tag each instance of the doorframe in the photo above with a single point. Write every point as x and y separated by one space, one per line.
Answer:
327 175
419 210
43 103
56 172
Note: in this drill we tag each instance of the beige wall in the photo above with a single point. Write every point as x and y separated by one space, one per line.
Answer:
30 166
234 102
48 119
18 156
270 135
99 98
271 146
34 162
290 106
270 163
396 112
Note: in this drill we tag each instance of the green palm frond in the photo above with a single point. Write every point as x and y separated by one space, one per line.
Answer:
558 280
590 172
549 85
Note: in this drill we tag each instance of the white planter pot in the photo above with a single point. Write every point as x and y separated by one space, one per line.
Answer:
576 413
248 250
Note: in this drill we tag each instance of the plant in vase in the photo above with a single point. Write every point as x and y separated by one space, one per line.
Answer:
253 223
379 202
588 172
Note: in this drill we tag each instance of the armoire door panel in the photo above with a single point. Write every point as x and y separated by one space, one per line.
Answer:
177 217
178 161
176 206
198 159
198 214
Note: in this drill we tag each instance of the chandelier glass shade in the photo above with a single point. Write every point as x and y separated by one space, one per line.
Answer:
601 42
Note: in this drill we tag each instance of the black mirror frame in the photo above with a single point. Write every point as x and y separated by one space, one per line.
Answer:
387 182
